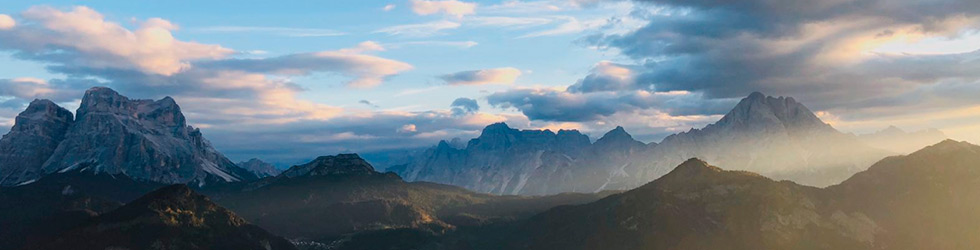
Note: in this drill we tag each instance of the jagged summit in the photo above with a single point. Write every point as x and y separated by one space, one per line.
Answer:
110 133
259 168
36 133
760 110
341 164
617 134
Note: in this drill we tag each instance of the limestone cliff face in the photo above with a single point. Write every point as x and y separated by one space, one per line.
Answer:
31 141
143 139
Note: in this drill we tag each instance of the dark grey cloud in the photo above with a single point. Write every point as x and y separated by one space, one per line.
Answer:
463 106
729 49
608 76
368 103
719 51
554 105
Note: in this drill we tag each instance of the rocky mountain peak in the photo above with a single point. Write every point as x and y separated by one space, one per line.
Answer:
617 134
759 110
259 168
341 164
496 127
36 133
44 109
102 99
143 139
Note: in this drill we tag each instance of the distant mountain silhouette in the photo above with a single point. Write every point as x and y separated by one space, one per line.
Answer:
259 168
776 137
897 140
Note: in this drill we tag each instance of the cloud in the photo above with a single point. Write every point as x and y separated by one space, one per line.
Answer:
420 29
375 131
84 35
448 7
460 44
607 76
389 7
571 26
149 62
6 22
805 49
408 128
368 103
463 106
367 70
485 76
25 89
279 31
558 105
505 21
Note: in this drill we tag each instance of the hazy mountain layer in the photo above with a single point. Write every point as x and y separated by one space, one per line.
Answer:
925 200
897 140
337 195
776 137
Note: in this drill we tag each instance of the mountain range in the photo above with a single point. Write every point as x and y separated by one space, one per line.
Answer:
115 175
774 136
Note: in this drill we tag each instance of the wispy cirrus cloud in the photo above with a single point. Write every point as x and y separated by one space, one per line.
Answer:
419 29
570 25
279 31
458 44
448 7
507 21
484 76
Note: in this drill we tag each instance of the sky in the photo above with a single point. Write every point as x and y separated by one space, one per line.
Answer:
286 81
